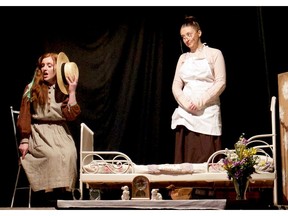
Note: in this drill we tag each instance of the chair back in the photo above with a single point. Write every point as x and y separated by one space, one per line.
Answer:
14 117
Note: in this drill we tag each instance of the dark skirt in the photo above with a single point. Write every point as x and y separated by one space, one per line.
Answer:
192 147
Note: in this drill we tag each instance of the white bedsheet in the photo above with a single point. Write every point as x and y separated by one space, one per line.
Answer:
265 164
107 168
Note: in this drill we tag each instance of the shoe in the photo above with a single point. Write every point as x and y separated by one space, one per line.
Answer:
50 199
67 195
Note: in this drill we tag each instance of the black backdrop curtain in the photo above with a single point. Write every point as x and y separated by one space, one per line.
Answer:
127 58
122 89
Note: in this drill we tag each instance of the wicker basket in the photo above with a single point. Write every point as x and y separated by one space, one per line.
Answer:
184 193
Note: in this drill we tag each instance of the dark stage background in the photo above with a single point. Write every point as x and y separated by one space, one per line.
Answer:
127 57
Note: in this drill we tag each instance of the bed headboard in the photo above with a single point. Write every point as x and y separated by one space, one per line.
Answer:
271 145
265 145
86 143
114 161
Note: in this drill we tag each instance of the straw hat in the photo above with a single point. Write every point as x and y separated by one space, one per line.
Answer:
65 69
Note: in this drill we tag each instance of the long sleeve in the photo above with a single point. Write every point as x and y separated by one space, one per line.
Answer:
24 119
177 87
217 64
70 112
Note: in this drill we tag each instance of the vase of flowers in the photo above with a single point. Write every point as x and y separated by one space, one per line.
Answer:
239 164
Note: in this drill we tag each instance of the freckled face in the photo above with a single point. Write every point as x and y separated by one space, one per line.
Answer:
47 68
190 36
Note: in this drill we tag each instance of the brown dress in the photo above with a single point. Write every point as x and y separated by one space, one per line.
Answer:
52 158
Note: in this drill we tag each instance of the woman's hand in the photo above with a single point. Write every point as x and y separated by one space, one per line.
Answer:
72 84
193 109
23 147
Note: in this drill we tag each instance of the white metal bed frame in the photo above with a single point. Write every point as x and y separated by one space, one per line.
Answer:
87 155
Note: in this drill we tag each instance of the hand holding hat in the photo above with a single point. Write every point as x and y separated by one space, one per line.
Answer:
65 70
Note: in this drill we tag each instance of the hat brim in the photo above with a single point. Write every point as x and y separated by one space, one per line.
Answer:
61 60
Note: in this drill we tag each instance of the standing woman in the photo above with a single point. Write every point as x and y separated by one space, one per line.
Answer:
199 80
48 151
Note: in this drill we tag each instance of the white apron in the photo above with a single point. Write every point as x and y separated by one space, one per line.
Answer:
197 76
